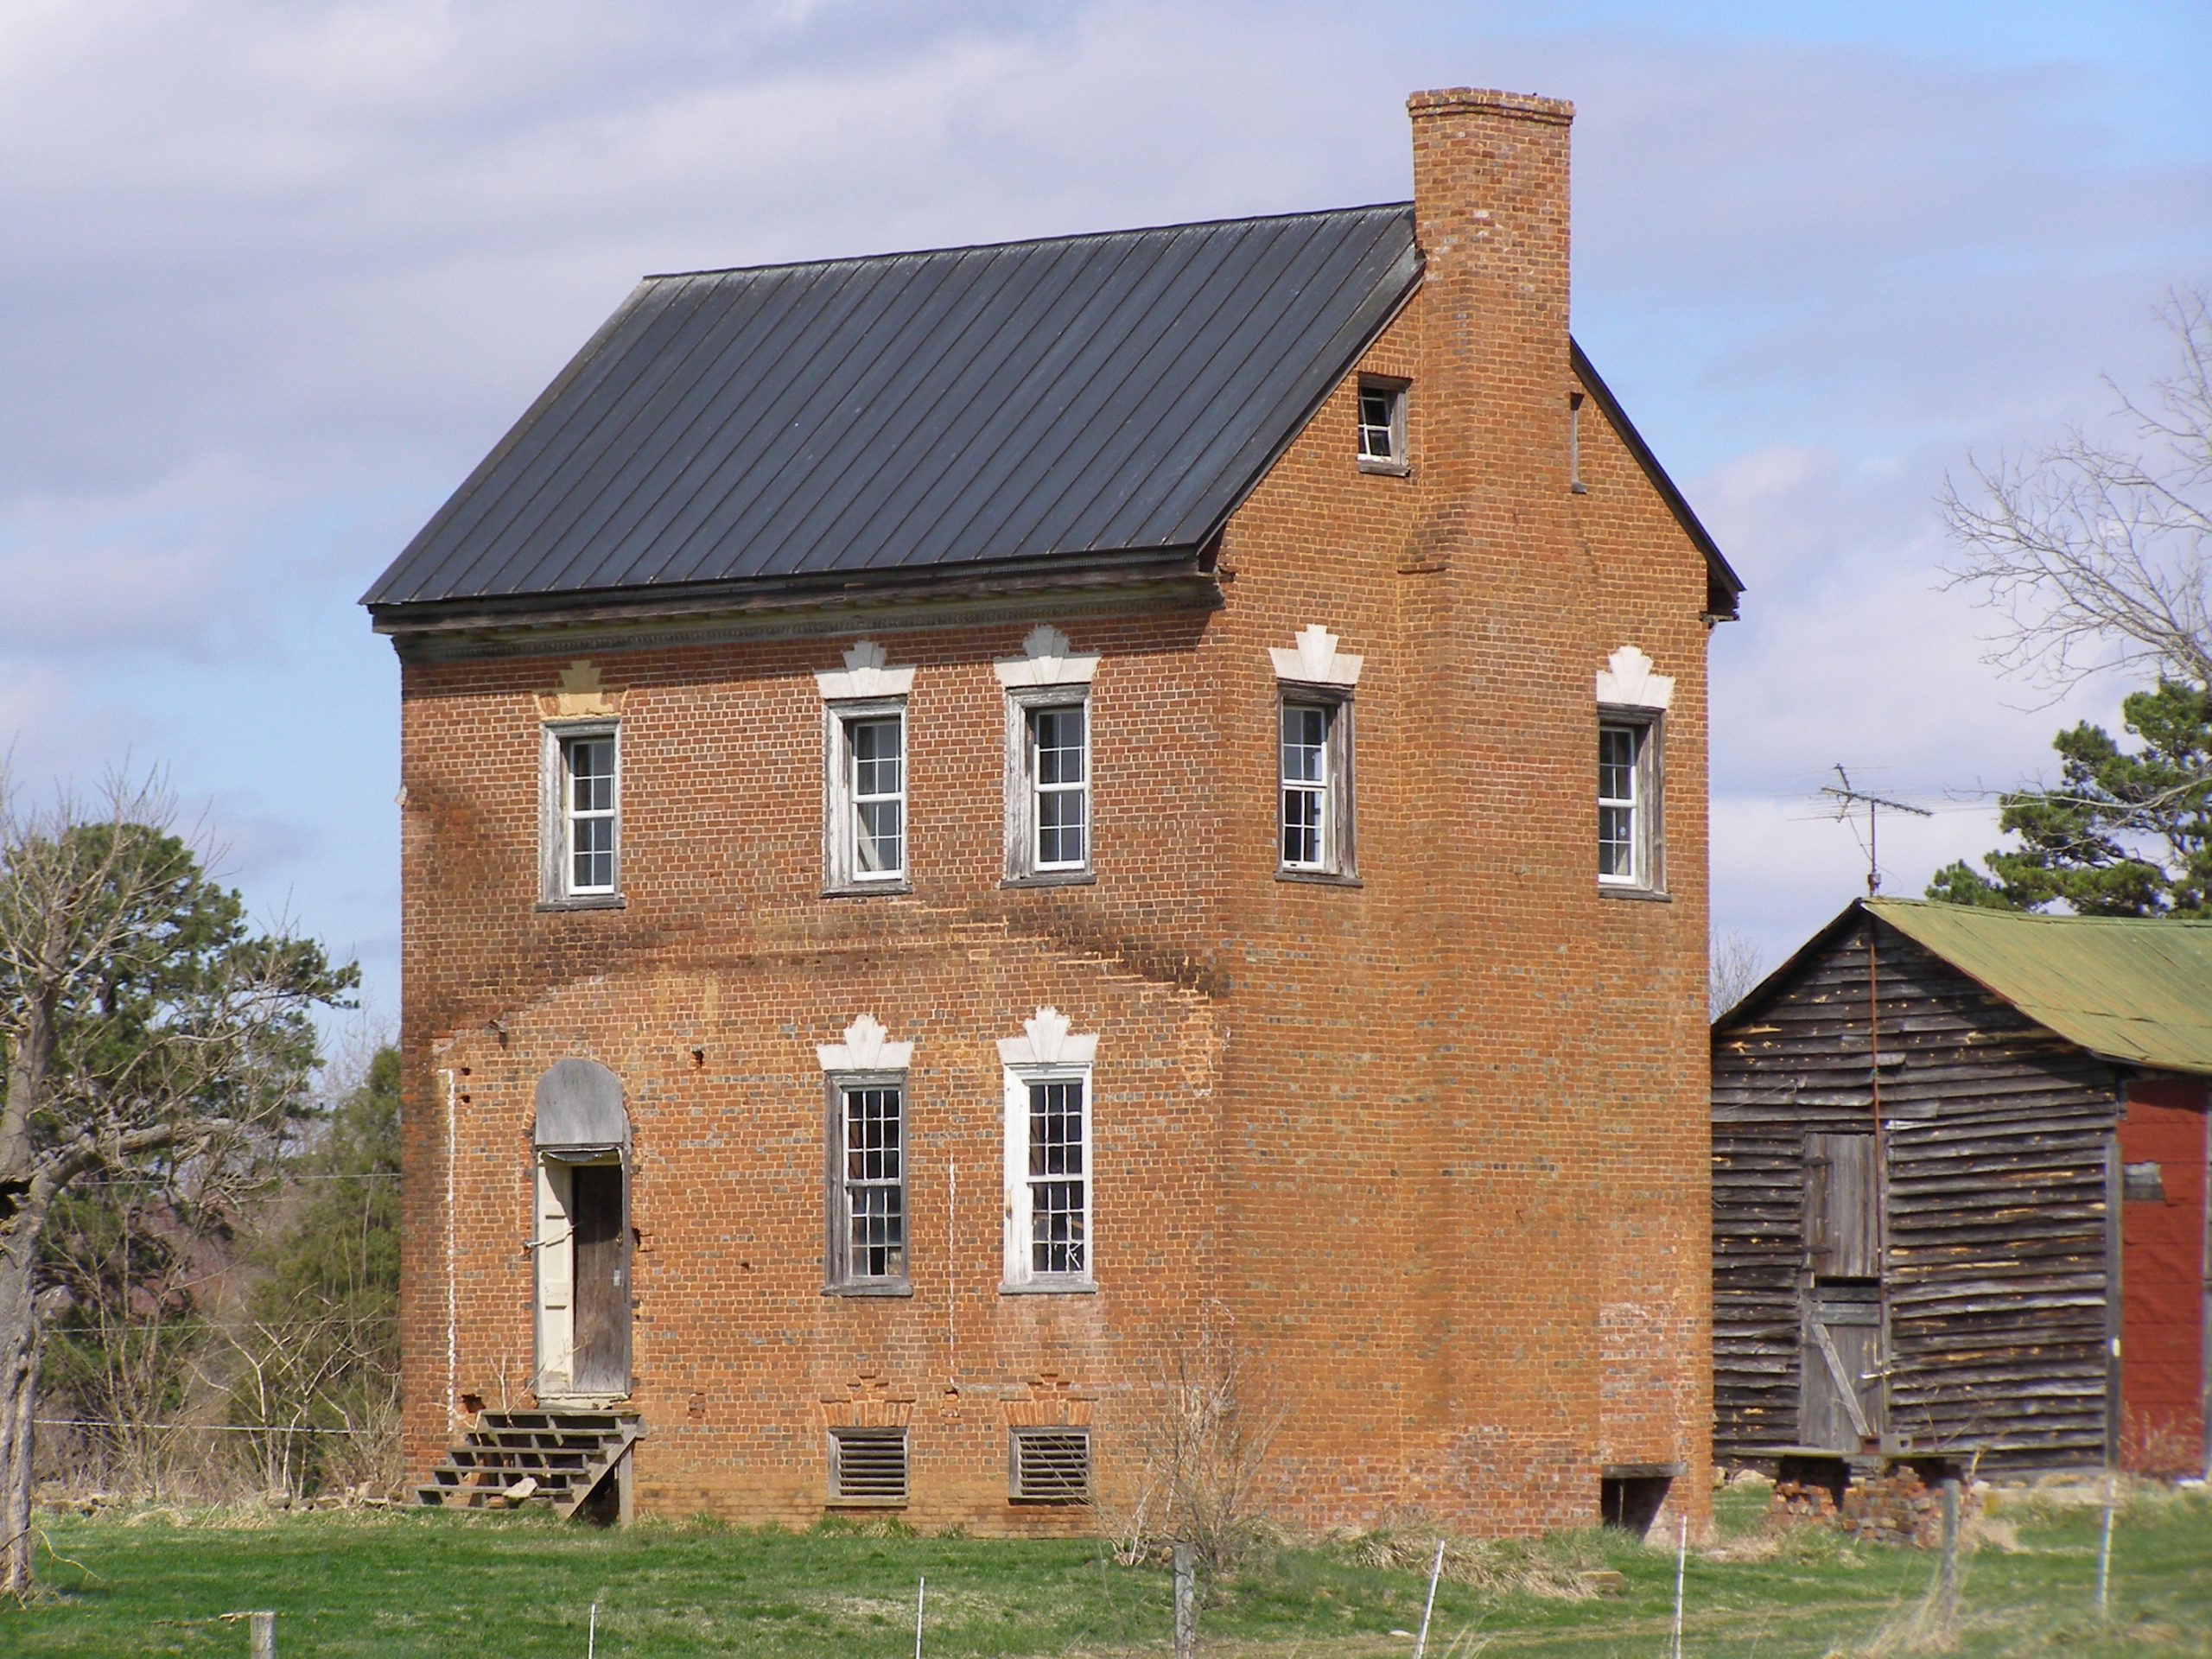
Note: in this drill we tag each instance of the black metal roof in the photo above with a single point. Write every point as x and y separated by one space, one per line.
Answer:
1082 395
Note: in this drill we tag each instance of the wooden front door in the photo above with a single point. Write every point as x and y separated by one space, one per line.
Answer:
1842 1401
602 1280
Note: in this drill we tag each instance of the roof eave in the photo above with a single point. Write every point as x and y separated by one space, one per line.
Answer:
1129 578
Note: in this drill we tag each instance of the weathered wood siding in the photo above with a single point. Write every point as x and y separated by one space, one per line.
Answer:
1997 1206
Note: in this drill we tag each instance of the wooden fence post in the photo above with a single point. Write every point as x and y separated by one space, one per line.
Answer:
1186 1602
1947 1572
261 1636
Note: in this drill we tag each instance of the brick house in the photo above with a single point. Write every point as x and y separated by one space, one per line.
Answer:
975 821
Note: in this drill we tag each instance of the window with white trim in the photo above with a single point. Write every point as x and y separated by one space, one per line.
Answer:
866 1242
1633 701
865 825
1048 760
1048 1156
1628 803
1313 756
868 1192
1314 766
1382 426
580 789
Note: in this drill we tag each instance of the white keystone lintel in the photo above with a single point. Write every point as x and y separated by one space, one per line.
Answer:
1315 660
865 1050
1045 660
1627 682
1047 1042
865 675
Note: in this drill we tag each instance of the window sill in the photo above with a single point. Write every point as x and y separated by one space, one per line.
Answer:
866 889
892 1288
585 901
1052 878
1050 1287
863 1502
1647 895
1385 468
1318 879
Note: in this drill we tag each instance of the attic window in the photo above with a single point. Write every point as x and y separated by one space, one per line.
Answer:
1050 1465
868 1466
1382 426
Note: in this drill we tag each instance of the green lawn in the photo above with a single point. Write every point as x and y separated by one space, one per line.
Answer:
518 1587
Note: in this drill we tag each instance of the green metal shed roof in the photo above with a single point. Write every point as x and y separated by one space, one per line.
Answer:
2122 986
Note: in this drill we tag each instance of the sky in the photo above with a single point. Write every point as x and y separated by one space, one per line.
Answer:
274 276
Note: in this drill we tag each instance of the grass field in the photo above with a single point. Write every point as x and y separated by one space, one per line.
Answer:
424 1583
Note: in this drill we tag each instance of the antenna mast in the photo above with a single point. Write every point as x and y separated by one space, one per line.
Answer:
1849 797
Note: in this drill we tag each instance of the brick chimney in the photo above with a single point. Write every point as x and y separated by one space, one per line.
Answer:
1490 216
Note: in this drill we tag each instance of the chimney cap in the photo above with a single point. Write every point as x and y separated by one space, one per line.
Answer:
1523 106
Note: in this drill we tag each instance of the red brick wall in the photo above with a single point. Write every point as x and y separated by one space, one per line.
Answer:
1435 1146
2162 1283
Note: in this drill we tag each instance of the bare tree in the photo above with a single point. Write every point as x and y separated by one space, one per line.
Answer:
2096 554
145 1029
1207 1425
1733 965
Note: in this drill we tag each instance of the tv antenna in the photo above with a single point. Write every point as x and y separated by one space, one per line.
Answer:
1846 797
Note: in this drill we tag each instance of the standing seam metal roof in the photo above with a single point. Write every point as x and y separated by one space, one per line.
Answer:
1087 394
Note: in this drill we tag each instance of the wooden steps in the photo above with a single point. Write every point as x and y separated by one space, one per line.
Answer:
516 1457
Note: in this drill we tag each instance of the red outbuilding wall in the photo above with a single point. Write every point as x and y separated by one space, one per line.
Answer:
2163 1280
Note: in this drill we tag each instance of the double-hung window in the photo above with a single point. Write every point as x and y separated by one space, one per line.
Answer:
865 824
1315 754
868 1188
1633 701
1313 783
1049 742
1049 1176
1059 774
865 1075
581 820
864 772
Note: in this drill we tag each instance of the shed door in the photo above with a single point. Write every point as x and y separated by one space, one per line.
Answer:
1843 1240
602 1280
1841 1407
1842 1398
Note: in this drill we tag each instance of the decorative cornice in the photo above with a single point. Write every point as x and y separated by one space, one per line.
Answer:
1047 1041
1313 659
1627 682
1045 660
865 675
865 1050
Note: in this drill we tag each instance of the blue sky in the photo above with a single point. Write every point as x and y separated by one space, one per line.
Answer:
276 275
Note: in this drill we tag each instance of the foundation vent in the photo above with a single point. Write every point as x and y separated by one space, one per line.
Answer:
1051 1466
868 1466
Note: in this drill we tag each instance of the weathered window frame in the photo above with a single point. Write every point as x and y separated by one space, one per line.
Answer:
843 866
1633 700
557 889
1049 674
1339 834
866 1059
1047 1055
1024 863
1647 843
1391 431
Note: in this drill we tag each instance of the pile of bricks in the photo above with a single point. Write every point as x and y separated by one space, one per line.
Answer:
1795 1502
1899 1507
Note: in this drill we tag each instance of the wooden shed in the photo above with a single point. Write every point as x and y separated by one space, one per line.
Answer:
1959 1194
